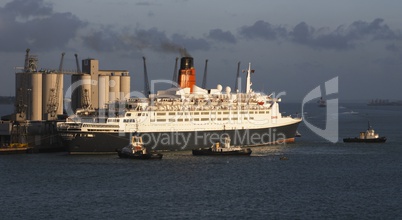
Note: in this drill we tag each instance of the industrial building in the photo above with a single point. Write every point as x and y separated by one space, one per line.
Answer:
95 88
39 99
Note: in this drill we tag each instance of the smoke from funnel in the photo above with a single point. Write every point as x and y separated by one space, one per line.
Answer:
171 47
184 53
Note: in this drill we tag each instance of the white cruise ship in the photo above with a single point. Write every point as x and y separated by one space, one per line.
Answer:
184 118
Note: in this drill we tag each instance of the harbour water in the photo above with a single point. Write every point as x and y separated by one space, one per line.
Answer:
320 179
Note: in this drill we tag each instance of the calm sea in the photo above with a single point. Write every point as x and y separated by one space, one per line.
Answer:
320 180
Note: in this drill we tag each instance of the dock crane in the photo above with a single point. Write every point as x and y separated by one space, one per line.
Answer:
53 102
78 65
20 104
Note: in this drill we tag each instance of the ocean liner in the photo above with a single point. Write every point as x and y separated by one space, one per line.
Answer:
185 117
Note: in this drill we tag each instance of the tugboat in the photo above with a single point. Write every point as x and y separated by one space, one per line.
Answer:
136 150
218 150
368 136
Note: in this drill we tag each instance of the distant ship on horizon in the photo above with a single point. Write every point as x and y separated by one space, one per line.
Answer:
384 102
322 102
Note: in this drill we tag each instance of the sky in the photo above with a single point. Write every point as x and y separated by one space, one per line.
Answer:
293 46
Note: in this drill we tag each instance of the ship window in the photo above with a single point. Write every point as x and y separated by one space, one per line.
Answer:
204 113
204 119
128 114
171 113
159 113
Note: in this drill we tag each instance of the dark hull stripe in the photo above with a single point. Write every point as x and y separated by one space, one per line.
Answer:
96 143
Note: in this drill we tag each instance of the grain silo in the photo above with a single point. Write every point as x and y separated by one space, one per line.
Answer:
103 91
114 88
52 93
124 87
86 91
35 103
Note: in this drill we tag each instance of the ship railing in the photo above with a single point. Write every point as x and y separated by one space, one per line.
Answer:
69 126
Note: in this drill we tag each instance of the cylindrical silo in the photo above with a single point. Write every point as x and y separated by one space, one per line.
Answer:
85 91
76 92
36 96
103 91
124 87
49 83
114 88
60 93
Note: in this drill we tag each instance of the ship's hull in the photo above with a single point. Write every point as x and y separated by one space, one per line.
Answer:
149 156
359 140
210 152
103 142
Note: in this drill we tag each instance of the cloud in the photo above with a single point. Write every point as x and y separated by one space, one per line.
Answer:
342 38
306 35
109 40
190 43
222 36
263 30
376 29
392 48
33 23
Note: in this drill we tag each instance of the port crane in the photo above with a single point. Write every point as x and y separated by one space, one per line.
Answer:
21 104
53 102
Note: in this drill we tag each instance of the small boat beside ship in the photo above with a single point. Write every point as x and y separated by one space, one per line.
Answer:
136 150
369 136
225 149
